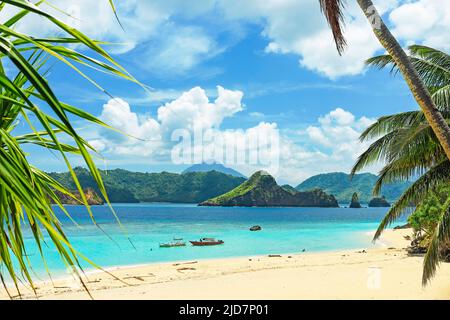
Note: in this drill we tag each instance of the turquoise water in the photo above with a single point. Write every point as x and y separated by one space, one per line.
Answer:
285 230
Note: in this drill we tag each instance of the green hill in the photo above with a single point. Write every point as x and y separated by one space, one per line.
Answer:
340 185
128 187
261 190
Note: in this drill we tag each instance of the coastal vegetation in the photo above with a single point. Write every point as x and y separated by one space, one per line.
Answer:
343 185
425 150
130 187
407 146
261 190
26 96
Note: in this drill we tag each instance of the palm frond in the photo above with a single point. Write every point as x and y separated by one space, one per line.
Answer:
333 11
432 65
430 181
26 192
440 237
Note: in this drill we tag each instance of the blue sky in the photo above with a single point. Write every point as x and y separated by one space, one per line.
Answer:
275 61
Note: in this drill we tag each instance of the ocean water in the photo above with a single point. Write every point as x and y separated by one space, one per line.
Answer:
285 230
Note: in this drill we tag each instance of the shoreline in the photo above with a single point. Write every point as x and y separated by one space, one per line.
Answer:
381 272
381 243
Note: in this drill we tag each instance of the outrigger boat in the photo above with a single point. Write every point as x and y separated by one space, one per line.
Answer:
177 242
206 242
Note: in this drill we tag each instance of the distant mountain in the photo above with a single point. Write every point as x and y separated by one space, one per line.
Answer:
261 190
130 187
340 185
204 167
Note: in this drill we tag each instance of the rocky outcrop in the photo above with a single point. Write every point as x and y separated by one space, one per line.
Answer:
261 190
91 196
379 202
355 202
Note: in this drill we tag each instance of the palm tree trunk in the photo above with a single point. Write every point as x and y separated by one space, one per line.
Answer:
415 84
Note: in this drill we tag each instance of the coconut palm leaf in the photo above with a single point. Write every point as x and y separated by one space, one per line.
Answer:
432 65
430 181
334 13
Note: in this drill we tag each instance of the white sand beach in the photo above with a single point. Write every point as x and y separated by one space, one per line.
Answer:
385 272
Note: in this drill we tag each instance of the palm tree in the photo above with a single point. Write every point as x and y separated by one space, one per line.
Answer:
333 10
26 191
409 148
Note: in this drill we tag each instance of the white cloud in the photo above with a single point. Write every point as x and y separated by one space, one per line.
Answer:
173 46
193 108
178 49
330 145
298 27
140 134
423 21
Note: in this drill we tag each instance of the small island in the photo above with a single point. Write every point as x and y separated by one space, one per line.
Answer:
355 202
379 203
261 190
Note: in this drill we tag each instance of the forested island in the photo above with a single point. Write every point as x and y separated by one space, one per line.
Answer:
261 190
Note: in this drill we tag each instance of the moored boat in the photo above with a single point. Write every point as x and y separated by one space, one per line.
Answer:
175 243
207 242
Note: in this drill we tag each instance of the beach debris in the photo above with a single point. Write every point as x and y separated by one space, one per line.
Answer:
185 269
274 255
140 278
94 281
289 257
180 263
256 228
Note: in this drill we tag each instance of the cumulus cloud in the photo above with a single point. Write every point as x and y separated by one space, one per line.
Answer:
332 144
338 134
170 46
193 108
430 24
139 134
146 135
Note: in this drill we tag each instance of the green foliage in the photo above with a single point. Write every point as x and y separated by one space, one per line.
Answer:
128 187
26 192
342 186
428 214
